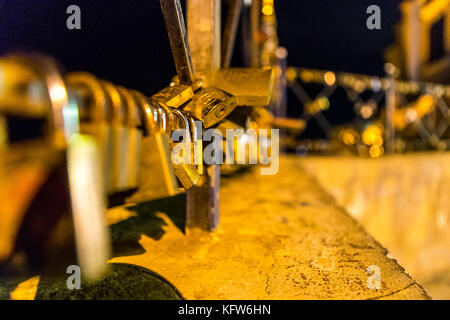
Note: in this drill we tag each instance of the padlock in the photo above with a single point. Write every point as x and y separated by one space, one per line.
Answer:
63 168
173 96
156 177
95 115
119 138
32 161
134 137
251 87
184 168
211 105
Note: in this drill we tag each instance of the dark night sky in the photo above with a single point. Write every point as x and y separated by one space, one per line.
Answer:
126 41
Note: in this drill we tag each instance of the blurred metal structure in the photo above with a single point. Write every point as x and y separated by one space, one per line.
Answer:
418 19
387 113
38 191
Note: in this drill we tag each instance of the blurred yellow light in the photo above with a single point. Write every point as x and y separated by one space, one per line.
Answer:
378 141
323 103
307 76
410 115
376 151
291 74
366 111
317 105
373 135
330 78
425 104
349 137
267 9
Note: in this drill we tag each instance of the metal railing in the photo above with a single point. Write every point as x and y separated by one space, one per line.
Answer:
382 114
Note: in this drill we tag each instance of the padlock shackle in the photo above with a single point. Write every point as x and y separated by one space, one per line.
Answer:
149 113
49 72
100 111
193 127
132 118
185 120
165 118
118 103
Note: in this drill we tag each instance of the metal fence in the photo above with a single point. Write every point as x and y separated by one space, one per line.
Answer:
369 115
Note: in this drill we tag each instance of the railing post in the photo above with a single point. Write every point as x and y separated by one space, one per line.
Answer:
204 34
390 108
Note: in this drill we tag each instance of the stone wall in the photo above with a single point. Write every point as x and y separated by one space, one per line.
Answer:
403 201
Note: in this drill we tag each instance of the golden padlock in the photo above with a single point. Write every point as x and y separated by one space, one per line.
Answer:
156 177
134 136
95 115
184 168
30 163
46 166
173 96
211 105
251 87
119 137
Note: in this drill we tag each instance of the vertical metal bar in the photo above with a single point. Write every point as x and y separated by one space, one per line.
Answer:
203 203
279 106
411 38
203 19
255 23
279 101
229 33
176 29
447 31
204 39
246 34
390 109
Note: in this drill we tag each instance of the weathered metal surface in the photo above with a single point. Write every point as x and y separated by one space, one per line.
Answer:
211 105
204 27
176 29
202 204
252 87
173 96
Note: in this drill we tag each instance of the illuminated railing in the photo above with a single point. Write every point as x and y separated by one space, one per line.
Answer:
387 115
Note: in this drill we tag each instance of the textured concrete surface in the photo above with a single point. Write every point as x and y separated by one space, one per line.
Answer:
280 237
403 202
